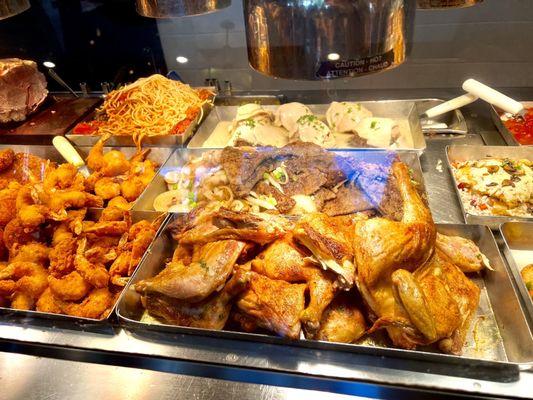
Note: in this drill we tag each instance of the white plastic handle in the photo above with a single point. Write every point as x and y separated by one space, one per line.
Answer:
450 105
493 96
68 151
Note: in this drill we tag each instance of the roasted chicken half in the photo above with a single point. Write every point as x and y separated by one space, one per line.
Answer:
382 246
284 260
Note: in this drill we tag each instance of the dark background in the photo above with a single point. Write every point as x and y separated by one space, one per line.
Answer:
88 40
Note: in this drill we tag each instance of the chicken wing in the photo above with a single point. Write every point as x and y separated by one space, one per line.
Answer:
440 301
331 244
463 252
382 246
274 305
208 272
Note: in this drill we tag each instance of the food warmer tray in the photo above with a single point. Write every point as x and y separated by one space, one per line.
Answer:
458 153
518 250
499 335
180 157
507 135
403 110
127 141
83 321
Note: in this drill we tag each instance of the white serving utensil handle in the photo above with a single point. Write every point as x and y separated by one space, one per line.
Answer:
450 105
69 153
493 97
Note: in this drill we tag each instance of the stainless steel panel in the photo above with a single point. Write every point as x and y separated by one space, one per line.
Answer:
454 120
92 214
456 153
498 334
519 236
395 109
180 157
325 40
507 135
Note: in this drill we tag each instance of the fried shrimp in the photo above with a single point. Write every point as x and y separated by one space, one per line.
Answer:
48 303
8 200
132 188
71 287
16 233
32 252
94 305
66 176
107 188
32 278
7 157
95 274
119 202
62 257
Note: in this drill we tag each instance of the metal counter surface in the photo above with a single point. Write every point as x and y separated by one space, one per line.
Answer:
255 363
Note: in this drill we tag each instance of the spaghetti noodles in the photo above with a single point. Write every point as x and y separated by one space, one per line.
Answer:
152 106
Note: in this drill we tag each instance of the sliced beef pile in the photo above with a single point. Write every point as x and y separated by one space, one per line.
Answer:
245 166
378 184
348 200
22 89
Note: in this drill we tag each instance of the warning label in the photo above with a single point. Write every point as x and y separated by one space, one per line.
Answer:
350 68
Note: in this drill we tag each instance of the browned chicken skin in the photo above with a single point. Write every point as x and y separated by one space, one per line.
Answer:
211 313
274 305
226 224
382 246
463 252
342 321
207 272
331 244
283 260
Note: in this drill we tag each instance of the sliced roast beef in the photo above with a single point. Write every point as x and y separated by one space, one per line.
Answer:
349 199
284 203
22 89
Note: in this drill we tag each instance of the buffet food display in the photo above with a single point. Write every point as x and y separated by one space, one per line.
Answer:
304 224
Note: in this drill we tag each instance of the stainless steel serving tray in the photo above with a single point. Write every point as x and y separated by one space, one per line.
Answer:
454 120
127 141
500 327
93 214
395 109
458 153
507 135
180 157
518 237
